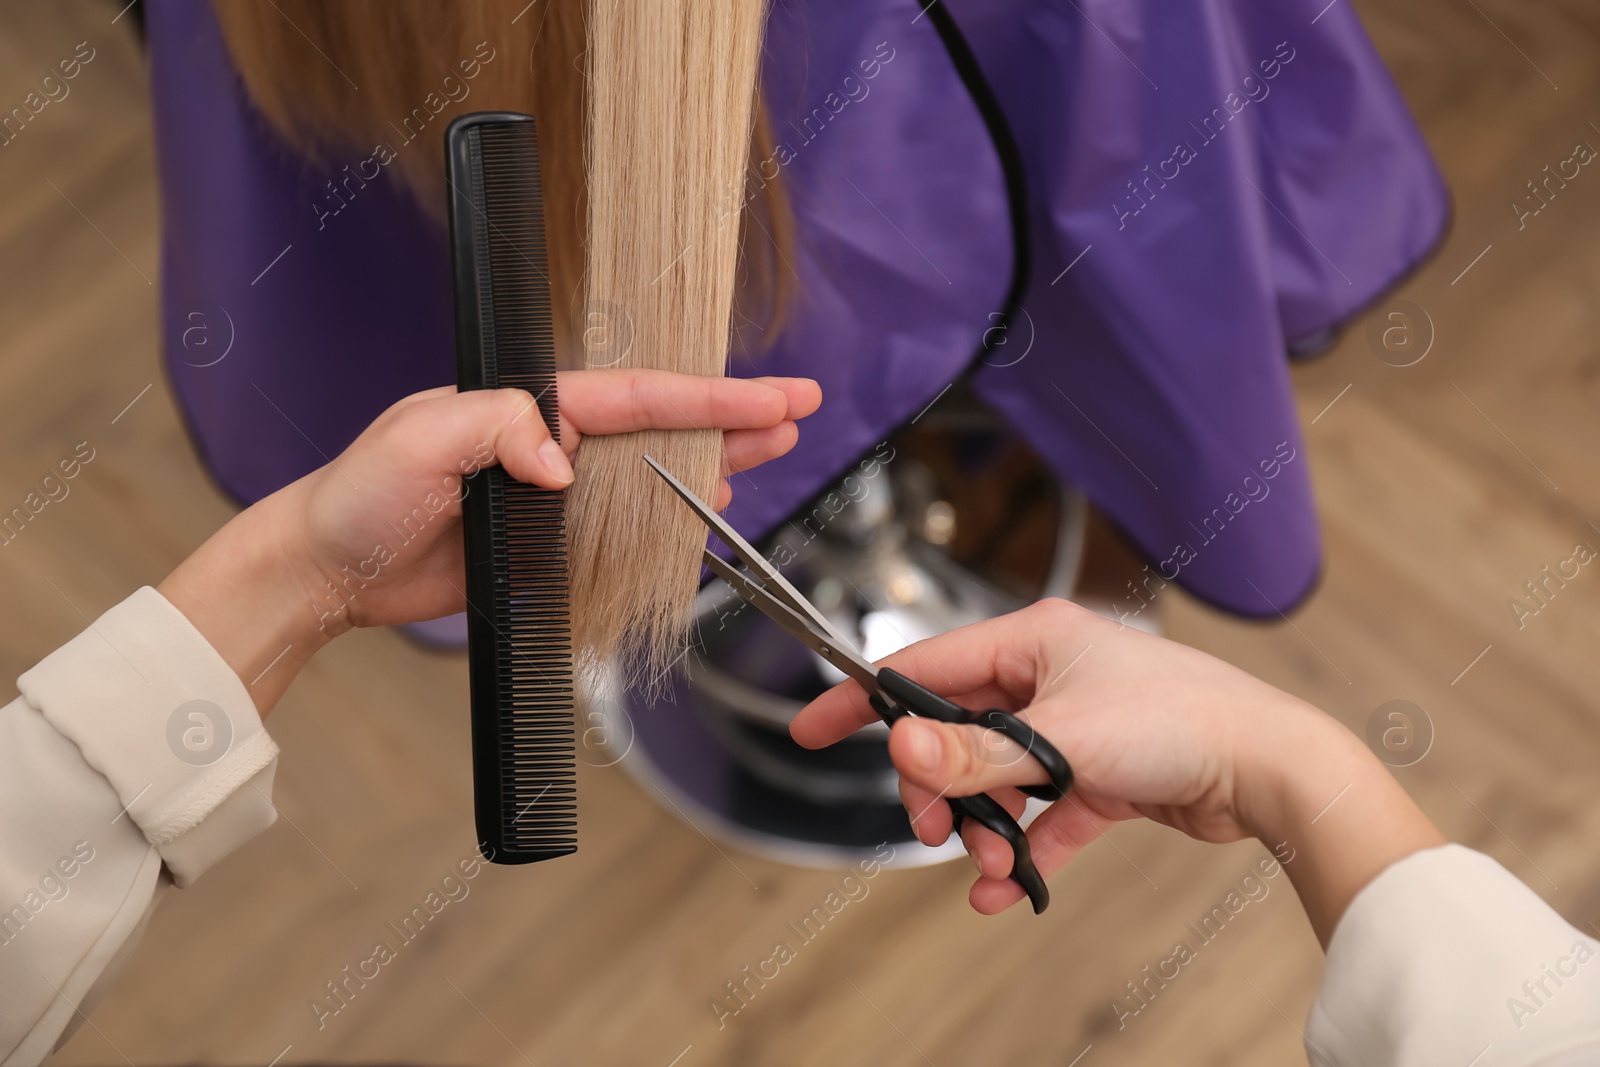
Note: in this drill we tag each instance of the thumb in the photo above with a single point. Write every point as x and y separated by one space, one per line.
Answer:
960 759
451 431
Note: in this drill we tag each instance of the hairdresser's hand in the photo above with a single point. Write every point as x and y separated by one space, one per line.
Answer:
408 465
1152 729
374 537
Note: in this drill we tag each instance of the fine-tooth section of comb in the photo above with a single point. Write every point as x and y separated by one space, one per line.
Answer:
518 628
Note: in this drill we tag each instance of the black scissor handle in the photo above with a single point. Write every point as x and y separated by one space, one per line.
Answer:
981 807
1049 757
931 705
986 811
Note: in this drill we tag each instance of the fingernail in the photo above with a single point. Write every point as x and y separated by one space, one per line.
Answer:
927 750
555 463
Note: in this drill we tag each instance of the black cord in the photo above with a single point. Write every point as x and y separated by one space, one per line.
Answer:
1016 184
1011 166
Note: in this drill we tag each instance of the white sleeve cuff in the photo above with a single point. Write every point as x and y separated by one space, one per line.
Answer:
1447 958
155 709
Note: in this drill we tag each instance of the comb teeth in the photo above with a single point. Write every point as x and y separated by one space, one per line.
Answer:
519 632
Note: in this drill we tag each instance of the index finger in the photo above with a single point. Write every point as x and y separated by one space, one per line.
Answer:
622 401
805 395
1001 652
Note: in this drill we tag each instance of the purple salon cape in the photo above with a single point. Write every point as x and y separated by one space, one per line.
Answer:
1204 182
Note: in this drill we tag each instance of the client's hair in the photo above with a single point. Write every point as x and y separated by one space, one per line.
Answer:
643 164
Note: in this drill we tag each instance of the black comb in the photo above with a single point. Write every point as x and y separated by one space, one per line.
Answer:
518 628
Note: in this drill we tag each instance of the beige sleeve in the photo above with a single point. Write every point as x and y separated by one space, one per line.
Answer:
1446 958
133 759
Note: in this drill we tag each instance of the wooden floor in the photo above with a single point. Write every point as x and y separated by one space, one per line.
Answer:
1443 487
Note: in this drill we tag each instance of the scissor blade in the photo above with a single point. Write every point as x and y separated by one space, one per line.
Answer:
773 583
840 654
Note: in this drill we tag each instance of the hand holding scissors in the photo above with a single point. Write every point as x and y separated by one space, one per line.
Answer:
893 695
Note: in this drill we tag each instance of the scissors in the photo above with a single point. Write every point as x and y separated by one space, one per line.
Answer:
892 695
